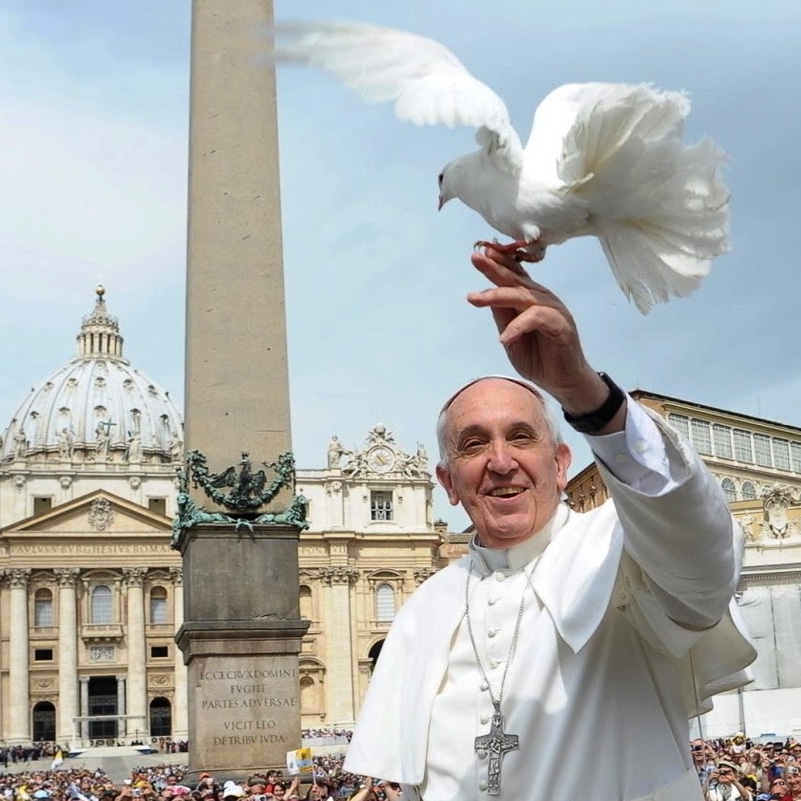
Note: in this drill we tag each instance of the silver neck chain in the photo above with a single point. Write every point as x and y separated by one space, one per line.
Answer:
496 702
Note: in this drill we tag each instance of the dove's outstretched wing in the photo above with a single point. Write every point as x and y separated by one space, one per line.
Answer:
425 80
657 204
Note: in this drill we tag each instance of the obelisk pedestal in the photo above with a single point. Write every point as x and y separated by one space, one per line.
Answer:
241 641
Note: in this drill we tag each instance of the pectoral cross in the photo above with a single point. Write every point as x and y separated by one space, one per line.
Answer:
496 744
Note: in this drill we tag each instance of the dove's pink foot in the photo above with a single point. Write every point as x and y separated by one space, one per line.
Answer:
521 250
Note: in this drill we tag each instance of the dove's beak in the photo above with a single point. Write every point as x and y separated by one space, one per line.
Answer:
440 203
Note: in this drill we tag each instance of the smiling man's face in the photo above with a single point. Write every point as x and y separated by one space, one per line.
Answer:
502 463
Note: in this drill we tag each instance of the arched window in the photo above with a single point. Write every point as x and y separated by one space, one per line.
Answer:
160 717
305 597
748 491
729 490
43 608
158 605
102 610
44 722
384 603
309 696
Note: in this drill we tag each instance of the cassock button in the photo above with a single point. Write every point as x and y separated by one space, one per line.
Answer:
494 664
484 686
500 577
492 601
641 447
485 719
483 786
492 632
620 458
481 754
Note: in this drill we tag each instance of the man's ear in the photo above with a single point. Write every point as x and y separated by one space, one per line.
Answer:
444 478
563 458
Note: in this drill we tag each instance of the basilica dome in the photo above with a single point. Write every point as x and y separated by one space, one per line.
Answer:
97 409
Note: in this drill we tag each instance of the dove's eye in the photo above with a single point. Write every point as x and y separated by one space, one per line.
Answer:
441 178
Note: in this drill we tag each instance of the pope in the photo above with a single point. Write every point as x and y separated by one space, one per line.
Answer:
566 649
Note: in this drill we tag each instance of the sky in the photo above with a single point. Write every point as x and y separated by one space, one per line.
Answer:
94 131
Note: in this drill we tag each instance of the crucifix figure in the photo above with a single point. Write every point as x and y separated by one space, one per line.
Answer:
496 744
103 438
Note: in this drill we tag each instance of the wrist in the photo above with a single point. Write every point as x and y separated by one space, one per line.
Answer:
601 411
584 396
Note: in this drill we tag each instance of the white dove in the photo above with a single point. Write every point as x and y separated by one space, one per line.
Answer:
606 160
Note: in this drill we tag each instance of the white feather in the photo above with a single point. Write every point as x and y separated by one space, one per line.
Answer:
607 160
425 80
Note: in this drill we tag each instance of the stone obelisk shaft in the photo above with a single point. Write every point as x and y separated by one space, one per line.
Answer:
237 387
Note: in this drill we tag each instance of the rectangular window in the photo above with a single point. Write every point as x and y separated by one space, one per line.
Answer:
680 422
701 437
42 505
380 505
159 651
795 456
762 450
157 505
721 437
781 454
742 446
43 655
43 610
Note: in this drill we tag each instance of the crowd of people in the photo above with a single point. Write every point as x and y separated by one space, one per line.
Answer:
738 769
731 769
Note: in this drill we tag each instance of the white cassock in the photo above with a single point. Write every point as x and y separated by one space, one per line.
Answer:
602 680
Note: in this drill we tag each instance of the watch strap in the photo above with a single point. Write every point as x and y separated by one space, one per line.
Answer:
593 422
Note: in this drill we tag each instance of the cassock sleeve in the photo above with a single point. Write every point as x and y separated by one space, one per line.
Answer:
677 525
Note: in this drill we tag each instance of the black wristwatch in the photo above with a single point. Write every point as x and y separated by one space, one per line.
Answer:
593 422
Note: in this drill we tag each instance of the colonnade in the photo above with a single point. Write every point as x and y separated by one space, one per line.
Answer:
72 683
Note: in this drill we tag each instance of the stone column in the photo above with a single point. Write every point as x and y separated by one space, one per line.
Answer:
67 578
84 682
19 713
237 385
339 580
122 729
180 716
134 578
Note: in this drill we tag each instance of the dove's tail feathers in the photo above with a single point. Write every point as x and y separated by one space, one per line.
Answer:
651 265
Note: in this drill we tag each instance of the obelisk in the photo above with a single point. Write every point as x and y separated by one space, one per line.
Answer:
242 630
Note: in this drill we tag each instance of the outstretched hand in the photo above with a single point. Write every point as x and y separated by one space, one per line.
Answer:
538 333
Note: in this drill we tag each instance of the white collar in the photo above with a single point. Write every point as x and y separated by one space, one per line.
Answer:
487 560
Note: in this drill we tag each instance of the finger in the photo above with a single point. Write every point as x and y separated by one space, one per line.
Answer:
543 320
499 268
518 298
504 275
502 317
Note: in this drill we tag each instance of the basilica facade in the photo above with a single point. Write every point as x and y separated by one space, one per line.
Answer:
91 593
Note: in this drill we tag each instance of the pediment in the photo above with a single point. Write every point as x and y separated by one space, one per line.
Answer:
99 513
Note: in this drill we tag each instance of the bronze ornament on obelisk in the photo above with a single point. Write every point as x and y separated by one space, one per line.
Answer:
242 630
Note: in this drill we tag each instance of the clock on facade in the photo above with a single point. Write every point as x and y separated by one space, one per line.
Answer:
380 459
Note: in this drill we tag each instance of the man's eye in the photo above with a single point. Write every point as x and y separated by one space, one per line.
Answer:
471 445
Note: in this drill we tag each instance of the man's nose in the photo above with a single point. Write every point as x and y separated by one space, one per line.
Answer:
501 458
